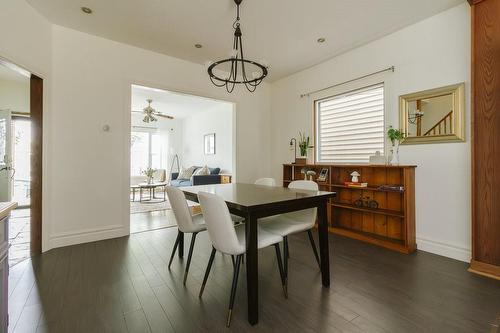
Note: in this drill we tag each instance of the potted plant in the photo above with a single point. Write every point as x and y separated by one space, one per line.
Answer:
149 172
304 145
396 136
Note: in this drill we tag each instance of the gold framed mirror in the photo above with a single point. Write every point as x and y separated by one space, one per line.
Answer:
433 116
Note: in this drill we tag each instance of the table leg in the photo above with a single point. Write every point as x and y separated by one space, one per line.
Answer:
140 194
252 269
180 247
323 243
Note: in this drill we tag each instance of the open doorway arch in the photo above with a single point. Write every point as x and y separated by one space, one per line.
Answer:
34 112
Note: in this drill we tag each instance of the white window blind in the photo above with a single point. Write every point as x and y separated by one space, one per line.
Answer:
350 127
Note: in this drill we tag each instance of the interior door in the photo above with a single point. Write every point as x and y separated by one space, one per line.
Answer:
6 170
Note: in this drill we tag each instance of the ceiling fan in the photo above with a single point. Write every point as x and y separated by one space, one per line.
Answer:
150 114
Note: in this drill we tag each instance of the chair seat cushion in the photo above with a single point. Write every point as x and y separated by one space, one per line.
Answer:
264 239
283 225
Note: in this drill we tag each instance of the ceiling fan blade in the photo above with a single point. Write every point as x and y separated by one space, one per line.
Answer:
163 115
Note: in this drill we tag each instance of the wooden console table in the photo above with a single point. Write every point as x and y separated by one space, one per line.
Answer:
391 225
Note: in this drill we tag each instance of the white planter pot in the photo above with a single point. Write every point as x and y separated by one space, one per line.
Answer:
395 154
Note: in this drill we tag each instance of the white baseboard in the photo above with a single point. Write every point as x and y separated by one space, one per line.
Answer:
86 236
443 249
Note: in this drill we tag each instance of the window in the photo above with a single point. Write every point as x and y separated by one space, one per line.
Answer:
350 126
145 152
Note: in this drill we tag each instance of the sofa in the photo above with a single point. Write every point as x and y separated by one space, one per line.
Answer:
212 178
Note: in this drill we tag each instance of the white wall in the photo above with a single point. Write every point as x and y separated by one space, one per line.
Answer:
91 87
15 95
218 120
429 54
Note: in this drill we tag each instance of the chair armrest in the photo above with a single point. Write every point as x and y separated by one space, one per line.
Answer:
206 179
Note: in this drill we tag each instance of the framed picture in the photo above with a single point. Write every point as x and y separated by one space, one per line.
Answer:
209 142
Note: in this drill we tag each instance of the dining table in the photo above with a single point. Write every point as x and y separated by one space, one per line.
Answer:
253 202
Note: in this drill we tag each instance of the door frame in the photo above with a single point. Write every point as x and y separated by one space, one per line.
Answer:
36 114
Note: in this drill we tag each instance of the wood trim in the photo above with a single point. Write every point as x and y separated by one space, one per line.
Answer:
485 116
481 268
36 110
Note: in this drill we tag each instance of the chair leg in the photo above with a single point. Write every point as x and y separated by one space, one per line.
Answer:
233 289
174 249
282 271
285 244
190 255
205 278
285 257
313 244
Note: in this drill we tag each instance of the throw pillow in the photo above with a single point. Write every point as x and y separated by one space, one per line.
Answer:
185 173
202 171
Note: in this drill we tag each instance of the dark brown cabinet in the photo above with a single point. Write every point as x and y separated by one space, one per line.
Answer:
389 223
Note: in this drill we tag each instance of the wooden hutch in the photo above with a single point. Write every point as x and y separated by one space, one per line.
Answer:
391 225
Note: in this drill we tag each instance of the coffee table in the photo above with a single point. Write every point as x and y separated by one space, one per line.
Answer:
152 187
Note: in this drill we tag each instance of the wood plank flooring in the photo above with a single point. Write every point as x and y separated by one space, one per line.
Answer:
123 285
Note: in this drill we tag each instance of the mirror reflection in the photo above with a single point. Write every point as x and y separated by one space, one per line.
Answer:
431 116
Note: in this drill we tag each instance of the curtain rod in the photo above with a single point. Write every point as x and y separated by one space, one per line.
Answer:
392 68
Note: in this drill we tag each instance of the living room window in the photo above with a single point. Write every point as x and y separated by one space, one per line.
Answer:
350 127
145 151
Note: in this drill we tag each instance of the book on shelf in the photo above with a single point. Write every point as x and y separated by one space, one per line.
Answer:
352 184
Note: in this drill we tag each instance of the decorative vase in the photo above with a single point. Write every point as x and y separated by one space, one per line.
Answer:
395 153
150 180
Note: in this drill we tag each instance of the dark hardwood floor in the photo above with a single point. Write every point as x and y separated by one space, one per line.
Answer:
124 285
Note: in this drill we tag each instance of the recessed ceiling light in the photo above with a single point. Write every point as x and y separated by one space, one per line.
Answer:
86 10
198 46
321 40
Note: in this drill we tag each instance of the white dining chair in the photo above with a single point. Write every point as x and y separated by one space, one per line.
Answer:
295 222
265 182
228 239
186 223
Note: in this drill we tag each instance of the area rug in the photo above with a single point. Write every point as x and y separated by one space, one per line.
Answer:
144 207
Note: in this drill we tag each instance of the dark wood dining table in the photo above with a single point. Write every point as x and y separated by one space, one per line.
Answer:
253 202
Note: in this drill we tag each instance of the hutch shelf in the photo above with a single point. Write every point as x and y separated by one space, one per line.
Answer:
390 225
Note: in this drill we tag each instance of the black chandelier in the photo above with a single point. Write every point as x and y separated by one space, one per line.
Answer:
236 65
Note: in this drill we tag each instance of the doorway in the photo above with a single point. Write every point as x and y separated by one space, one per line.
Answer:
169 131
21 107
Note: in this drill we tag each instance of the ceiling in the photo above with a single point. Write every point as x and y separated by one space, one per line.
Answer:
282 33
170 103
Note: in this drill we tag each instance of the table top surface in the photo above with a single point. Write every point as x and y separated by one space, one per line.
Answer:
250 195
6 207
151 185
